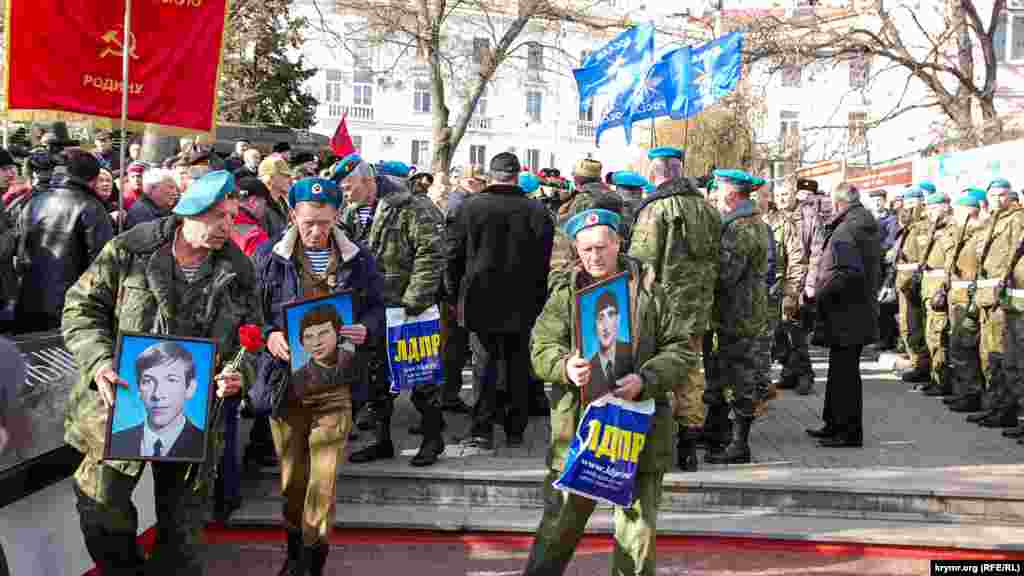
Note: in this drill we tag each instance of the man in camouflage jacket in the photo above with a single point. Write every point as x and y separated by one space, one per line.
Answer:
906 260
677 233
178 276
932 248
661 357
961 265
796 365
405 235
739 317
590 192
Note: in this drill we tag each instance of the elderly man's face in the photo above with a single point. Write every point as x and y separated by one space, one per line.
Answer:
321 342
212 229
135 151
252 159
315 222
787 199
607 327
135 179
598 248
165 194
104 185
164 389
104 145
360 189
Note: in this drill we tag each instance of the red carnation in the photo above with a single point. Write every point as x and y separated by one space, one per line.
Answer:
251 338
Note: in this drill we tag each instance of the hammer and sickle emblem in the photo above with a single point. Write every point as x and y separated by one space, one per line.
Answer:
114 47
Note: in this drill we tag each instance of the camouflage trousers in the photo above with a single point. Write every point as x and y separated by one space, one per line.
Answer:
738 364
565 518
991 352
109 520
1014 359
934 336
962 355
310 443
797 361
688 394
912 331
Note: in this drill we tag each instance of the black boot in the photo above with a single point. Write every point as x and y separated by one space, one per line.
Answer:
717 431
417 429
738 452
969 403
919 375
294 552
978 417
382 447
433 443
950 400
1015 432
366 417
686 449
1002 418
318 559
805 384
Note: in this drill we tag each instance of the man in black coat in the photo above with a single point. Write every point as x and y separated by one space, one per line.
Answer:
65 227
846 290
498 257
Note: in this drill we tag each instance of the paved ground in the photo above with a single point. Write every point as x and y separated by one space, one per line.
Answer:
902 429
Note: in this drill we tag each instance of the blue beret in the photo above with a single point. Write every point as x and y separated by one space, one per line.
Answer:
999 183
912 193
204 193
738 176
346 166
927 187
665 152
627 178
589 218
978 194
968 198
529 182
935 198
394 168
314 190
756 182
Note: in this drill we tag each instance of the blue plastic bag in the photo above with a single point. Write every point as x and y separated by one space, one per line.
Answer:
414 348
604 456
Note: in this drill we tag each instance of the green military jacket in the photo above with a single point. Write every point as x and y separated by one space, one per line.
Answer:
406 239
908 247
995 247
563 254
932 253
741 297
660 351
962 263
135 285
678 234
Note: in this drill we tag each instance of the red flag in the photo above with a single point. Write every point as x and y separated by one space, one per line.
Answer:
174 70
341 142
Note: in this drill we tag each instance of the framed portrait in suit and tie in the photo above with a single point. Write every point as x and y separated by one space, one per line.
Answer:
162 414
604 334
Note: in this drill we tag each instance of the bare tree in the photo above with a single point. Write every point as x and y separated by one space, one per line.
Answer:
951 52
460 46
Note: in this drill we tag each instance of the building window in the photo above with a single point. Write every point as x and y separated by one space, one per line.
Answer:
481 50
858 130
421 96
533 159
362 95
791 76
357 142
1008 38
534 103
332 94
478 155
587 116
420 153
860 68
789 128
535 57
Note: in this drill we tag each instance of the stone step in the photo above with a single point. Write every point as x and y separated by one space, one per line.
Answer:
985 496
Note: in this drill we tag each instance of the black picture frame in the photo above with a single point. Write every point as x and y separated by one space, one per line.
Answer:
343 302
586 309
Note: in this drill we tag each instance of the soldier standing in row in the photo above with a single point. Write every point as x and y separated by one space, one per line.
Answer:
740 316
678 234
177 276
962 268
1012 302
914 223
931 252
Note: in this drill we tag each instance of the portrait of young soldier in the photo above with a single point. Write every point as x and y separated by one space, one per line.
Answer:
613 359
318 335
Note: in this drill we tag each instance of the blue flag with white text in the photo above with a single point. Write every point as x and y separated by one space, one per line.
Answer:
652 97
617 66
715 70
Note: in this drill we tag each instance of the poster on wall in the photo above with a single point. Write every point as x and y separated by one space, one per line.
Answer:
954 171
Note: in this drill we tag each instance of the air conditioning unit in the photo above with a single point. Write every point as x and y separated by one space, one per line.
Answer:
389 141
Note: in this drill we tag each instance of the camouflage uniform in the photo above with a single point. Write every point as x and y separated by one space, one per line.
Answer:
739 318
1012 302
796 366
907 259
932 248
678 234
661 351
962 356
406 240
594 195
135 285
776 221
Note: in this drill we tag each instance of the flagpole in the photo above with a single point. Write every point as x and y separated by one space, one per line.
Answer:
126 51
654 134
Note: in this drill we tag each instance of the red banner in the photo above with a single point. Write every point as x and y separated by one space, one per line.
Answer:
341 142
64 59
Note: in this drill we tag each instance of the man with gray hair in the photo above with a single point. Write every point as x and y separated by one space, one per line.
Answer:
678 233
845 293
160 194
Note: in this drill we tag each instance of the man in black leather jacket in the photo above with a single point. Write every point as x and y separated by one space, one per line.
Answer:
65 228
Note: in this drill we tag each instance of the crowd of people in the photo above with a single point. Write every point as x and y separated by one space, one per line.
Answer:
723 281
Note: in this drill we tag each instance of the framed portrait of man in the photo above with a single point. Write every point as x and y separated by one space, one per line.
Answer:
316 349
604 333
163 413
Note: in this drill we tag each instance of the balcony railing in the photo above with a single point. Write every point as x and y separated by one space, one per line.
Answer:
585 129
359 112
479 123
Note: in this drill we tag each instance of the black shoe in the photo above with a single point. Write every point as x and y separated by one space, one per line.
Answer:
373 452
428 453
514 440
1001 419
417 429
457 406
932 390
738 451
917 376
686 450
786 383
969 403
1016 432
842 441
365 419
479 442
978 417
825 431
805 385
950 400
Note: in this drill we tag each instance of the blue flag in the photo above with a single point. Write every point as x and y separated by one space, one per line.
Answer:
714 71
617 66
652 97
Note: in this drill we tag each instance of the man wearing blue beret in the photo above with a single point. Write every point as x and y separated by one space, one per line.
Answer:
906 260
179 276
940 240
311 423
678 234
404 232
